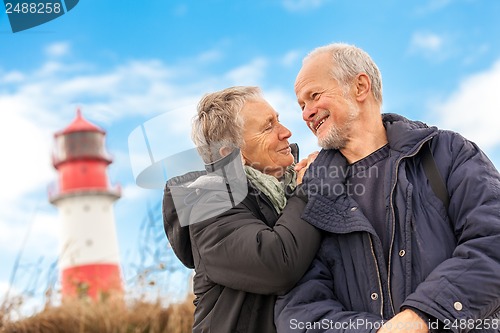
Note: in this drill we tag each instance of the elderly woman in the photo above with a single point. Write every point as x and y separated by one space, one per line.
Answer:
245 245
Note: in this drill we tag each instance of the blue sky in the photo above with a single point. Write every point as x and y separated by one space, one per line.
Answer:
126 63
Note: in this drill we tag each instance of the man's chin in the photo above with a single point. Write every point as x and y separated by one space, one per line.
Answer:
327 143
324 142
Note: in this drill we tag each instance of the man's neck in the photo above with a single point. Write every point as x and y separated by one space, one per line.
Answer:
367 140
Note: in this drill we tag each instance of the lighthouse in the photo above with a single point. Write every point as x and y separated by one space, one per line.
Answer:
89 263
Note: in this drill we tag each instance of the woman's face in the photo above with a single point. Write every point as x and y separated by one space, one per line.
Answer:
266 141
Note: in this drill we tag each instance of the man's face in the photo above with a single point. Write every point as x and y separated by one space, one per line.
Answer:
326 109
266 140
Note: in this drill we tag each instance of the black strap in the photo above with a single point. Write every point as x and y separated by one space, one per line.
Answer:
295 152
432 173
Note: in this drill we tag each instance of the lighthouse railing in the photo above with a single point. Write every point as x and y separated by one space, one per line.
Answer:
55 193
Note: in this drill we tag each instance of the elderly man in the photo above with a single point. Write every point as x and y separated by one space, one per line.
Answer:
411 214
244 239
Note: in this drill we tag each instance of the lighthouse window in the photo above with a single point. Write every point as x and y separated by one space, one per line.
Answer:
81 144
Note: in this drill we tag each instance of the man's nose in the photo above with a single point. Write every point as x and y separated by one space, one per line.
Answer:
308 113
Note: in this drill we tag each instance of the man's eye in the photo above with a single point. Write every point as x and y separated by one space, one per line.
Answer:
315 96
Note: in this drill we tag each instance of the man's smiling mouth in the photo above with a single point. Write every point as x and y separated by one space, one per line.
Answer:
315 125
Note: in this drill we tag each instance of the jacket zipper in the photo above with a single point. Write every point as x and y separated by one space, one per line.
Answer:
394 222
381 292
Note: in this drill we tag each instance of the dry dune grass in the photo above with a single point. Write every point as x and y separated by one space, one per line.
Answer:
155 261
105 317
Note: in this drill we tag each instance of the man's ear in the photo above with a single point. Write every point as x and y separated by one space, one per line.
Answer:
363 87
224 151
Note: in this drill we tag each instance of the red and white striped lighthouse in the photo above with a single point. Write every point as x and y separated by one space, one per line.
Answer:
89 257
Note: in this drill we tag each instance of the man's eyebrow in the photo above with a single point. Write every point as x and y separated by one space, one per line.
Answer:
303 93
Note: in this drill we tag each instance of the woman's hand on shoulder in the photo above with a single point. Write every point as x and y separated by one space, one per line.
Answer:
302 166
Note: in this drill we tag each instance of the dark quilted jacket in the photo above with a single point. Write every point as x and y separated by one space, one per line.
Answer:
242 258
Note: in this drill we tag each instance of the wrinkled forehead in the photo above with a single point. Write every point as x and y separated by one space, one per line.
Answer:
313 69
259 110
311 81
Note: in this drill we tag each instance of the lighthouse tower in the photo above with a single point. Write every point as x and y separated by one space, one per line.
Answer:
89 258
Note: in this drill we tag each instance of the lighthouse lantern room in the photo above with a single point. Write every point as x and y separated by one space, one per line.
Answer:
89 255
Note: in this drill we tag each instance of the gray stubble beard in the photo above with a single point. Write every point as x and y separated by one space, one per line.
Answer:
336 138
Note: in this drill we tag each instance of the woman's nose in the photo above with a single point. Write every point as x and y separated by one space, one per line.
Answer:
284 133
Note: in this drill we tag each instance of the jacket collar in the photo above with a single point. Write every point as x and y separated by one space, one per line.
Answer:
404 135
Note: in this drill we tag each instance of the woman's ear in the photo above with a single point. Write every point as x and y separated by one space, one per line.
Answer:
224 151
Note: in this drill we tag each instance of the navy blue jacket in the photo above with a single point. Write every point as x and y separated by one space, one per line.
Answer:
444 263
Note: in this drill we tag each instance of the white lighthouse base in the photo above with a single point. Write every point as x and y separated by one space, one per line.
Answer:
89 260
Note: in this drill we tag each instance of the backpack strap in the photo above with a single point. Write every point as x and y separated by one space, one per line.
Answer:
432 173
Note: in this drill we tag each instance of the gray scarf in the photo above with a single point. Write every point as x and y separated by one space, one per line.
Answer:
271 187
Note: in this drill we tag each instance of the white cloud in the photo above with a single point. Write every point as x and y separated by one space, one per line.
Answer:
25 149
12 77
432 46
474 108
46 226
33 232
285 103
432 6
290 58
7 293
248 74
58 49
133 192
426 42
4 286
299 5
35 239
209 56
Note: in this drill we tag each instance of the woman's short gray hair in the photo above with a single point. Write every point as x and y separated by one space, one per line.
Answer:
218 122
349 61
